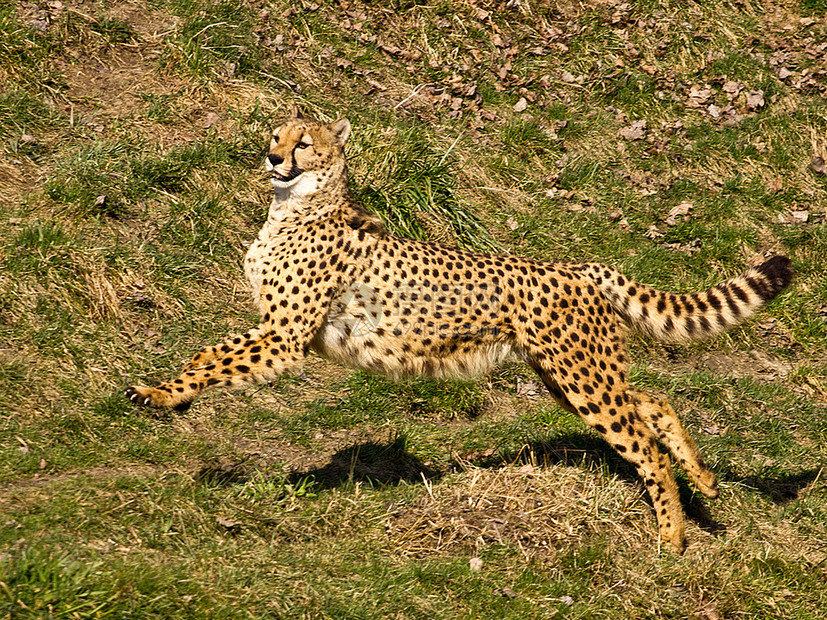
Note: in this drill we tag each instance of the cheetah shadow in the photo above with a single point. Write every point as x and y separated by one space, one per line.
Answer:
390 463
779 489
371 462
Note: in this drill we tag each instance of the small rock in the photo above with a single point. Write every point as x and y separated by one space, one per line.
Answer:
475 564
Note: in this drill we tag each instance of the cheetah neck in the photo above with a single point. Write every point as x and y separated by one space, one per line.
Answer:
289 208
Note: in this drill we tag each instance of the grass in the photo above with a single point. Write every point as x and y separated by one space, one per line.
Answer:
130 177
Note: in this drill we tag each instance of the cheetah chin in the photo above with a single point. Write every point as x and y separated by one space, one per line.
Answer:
326 275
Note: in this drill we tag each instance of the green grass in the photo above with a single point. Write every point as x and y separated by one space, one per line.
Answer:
130 179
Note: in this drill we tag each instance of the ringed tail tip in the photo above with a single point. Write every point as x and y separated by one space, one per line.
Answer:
778 272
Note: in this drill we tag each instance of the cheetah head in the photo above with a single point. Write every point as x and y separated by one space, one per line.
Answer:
306 156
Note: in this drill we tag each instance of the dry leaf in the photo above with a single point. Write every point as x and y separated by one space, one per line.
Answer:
635 131
817 165
755 99
227 523
653 232
521 105
678 211
211 119
698 95
712 429
732 88
377 85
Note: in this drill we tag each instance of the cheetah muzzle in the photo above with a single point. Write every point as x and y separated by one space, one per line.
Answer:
325 275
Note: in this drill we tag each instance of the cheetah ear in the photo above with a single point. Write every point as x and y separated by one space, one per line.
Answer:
295 112
341 130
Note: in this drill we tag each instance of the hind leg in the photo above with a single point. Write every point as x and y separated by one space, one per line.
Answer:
659 416
613 414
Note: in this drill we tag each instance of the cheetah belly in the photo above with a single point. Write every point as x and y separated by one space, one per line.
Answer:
360 332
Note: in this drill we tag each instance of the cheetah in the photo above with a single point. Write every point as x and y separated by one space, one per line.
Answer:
327 276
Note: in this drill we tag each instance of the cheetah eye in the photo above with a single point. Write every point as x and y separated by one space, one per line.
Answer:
276 138
302 145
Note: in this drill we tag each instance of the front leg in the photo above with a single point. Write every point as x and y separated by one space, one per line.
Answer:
236 362
208 355
291 316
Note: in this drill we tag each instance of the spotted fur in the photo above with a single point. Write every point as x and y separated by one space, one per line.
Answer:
326 276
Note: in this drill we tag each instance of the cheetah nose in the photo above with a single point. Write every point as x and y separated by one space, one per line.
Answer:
274 159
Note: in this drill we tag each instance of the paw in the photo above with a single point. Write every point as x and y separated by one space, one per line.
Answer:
677 543
153 397
707 484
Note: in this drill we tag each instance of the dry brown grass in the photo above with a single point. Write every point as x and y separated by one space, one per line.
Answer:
538 510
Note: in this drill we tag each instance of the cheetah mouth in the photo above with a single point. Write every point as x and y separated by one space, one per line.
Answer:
278 178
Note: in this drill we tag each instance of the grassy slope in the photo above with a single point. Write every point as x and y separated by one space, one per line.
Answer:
131 138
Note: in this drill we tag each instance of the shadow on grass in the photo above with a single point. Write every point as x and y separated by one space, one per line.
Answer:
779 489
383 463
373 462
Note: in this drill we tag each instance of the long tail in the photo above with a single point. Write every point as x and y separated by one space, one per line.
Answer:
684 318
